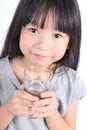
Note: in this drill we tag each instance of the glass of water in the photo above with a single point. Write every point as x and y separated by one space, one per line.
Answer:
36 80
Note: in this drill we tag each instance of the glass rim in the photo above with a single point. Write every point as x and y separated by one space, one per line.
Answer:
30 68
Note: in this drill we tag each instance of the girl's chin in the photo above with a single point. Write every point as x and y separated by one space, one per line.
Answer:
42 64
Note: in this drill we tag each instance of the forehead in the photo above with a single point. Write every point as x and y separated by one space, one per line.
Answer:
47 22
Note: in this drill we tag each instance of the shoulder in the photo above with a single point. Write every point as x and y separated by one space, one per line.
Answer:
73 77
69 76
66 73
4 63
71 83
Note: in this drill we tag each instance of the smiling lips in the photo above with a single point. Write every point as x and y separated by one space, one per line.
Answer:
40 57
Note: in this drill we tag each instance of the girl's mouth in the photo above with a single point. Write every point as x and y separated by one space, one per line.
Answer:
40 57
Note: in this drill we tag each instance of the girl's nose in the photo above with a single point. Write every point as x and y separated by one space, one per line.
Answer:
42 47
44 43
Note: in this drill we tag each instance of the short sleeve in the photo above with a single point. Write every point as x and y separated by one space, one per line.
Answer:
68 88
79 89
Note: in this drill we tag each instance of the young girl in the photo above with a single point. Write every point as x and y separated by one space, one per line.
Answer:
43 33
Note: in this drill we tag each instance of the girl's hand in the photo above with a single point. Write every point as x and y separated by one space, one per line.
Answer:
21 103
46 106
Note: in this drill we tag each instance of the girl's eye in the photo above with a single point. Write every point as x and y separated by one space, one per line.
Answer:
33 30
57 35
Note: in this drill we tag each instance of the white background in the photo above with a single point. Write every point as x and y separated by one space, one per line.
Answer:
83 59
7 8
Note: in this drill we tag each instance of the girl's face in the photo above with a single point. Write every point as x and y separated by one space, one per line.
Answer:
44 46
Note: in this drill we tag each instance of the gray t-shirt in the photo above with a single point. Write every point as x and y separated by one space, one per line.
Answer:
68 87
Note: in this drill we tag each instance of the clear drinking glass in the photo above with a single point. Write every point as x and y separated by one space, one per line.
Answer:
36 80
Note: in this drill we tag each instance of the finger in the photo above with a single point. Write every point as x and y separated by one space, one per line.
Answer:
42 115
21 110
44 102
42 112
24 102
45 112
47 94
39 109
25 95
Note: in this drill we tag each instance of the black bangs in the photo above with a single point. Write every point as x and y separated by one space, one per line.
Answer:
61 14
37 16
64 16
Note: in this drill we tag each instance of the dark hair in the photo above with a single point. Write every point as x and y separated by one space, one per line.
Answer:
66 18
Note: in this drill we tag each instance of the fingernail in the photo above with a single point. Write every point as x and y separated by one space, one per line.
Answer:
36 102
37 98
42 95
35 116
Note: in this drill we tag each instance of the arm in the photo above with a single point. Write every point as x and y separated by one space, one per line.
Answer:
5 116
55 121
18 106
46 109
